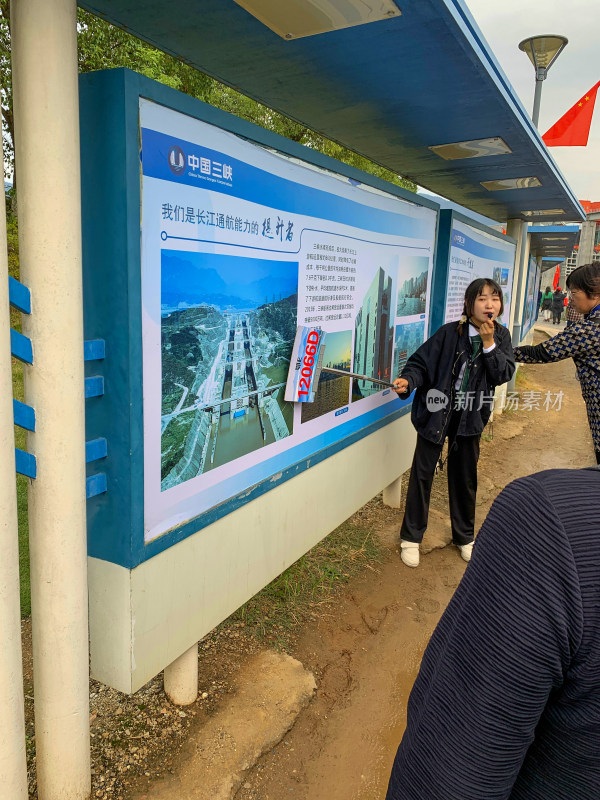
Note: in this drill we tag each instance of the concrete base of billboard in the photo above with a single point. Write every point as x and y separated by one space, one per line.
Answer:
392 494
142 620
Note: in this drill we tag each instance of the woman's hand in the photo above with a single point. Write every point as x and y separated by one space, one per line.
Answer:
400 386
486 331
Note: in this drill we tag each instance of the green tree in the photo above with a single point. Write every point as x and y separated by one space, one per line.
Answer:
8 127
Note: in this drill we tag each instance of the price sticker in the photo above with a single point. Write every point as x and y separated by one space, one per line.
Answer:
305 365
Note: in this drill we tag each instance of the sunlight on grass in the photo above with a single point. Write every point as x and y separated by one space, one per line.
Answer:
308 583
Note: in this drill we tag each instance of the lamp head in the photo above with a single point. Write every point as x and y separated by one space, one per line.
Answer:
543 51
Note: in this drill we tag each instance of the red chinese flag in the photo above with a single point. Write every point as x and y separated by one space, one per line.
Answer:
573 129
556 277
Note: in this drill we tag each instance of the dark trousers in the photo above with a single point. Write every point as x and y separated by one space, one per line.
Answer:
556 315
461 467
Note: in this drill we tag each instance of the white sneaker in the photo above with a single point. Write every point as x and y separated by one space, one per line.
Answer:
466 551
409 553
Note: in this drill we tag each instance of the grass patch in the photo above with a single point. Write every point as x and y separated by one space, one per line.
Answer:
309 583
522 381
23 545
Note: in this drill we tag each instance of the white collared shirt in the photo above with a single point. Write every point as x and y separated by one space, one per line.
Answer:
472 332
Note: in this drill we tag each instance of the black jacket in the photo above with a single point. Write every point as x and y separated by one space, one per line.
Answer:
437 365
558 301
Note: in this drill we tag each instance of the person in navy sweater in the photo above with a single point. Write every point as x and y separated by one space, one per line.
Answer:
506 705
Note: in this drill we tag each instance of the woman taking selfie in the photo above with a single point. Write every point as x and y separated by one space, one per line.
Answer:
454 373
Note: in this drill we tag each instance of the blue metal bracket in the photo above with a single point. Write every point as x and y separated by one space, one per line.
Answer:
95 449
94 349
25 463
95 484
20 347
94 386
24 416
19 296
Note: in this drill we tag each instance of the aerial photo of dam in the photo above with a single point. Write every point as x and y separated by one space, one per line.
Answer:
227 330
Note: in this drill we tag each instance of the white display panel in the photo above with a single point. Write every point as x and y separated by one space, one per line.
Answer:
239 245
477 254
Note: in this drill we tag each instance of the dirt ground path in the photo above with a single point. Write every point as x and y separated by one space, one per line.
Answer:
365 654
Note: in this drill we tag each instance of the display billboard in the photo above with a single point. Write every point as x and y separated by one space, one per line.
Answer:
476 253
530 302
239 245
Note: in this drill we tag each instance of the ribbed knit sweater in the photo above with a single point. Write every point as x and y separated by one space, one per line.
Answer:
507 700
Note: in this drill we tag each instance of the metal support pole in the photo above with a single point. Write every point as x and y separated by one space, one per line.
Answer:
46 103
13 766
181 678
585 254
537 99
518 230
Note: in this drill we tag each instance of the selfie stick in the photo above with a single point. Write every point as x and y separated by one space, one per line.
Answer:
353 375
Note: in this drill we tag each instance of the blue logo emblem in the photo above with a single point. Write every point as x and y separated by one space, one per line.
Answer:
176 160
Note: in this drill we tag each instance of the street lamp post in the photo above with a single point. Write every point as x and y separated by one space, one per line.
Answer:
542 51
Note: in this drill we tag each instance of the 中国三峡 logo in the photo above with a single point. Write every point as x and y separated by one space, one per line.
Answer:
176 159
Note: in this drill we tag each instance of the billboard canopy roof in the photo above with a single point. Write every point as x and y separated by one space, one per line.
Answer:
553 241
390 89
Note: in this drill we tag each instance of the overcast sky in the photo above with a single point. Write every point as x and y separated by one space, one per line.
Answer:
504 23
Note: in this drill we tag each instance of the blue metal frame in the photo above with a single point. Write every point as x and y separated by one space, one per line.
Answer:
24 415
20 347
447 217
109 112
94 386
25 463
19 295
94 350
96 449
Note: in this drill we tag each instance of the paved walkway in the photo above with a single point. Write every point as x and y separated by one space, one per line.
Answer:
549 328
